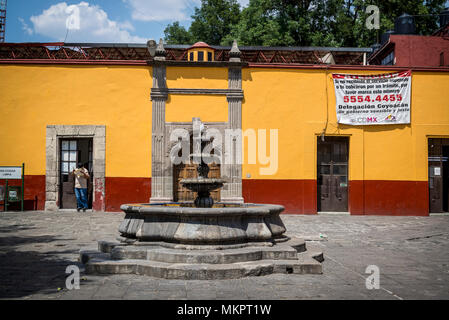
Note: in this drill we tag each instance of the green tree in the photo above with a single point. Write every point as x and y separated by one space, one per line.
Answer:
211 23
177 34
348 23
283 23
214 20
303 22
326 23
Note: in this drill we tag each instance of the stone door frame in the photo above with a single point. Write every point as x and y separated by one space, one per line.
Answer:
53 135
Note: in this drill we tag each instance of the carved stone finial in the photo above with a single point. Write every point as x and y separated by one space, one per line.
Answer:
151 45
235 53
160 51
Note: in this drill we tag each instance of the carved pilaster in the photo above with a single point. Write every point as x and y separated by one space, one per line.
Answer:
233 149
160 181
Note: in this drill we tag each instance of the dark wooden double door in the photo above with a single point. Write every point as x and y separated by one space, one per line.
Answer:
187 171
438 175
332 174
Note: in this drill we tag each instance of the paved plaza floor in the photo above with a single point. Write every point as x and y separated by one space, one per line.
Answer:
412 254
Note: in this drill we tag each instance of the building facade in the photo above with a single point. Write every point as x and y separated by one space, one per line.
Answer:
118 116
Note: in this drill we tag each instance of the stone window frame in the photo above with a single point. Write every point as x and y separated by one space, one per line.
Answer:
53 135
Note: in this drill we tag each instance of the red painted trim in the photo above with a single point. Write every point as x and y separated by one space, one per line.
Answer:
370 197
344 67
297 196
82 62
396 198
34 192
126 190
250 65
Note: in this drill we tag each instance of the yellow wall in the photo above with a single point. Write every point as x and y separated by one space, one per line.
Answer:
294 101
182 108
197 78
33 97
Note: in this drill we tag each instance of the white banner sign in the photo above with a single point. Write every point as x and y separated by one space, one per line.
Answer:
10 172
373 99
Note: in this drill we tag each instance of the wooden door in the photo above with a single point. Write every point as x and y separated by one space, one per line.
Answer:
69 160
72 152
332 177
438 175
186 171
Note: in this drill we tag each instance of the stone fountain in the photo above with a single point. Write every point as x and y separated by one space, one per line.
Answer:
202 240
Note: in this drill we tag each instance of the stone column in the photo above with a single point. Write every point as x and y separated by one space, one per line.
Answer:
233 171
161 180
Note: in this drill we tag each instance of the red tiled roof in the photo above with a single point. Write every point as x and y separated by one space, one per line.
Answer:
201 45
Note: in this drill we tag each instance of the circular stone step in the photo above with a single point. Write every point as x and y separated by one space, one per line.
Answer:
304 265
117 258
204 256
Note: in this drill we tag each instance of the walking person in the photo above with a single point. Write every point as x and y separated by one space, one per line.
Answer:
81 181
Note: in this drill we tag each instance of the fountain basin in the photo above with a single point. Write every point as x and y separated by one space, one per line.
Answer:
203 187
224 224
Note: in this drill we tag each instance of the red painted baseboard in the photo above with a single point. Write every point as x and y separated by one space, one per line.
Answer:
34 197
395 198
370 197
297 196
126 190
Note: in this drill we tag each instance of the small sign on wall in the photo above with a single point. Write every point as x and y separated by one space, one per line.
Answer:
10 172
437 171
13 196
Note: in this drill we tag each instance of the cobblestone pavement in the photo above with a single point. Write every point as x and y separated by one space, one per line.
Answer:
412 254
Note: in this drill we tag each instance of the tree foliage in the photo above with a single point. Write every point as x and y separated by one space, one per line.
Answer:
177 34
300 22
211 23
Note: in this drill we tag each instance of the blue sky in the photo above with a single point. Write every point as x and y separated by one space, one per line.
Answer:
129 21
126 21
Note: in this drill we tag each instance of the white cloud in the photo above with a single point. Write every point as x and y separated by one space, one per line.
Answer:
94 25
161 10
166 10
25 27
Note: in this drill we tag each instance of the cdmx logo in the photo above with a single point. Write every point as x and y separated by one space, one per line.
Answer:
211 146
365 120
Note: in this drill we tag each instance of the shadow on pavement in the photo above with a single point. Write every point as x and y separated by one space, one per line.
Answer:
25 272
